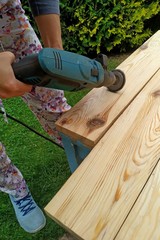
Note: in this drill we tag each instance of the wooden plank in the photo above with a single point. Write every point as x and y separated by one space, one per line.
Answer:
96 199
143 221
89 119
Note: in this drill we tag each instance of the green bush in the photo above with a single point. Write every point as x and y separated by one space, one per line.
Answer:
105 25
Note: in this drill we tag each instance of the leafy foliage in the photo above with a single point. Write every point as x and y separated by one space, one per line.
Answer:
106 25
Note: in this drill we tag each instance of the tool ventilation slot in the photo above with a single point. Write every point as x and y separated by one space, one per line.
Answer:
58 60
34 80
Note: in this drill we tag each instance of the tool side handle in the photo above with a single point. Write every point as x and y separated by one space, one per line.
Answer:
28 70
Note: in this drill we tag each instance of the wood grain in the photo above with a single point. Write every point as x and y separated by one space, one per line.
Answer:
95 201
90 118
143 220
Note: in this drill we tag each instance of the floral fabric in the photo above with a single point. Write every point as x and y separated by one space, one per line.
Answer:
17 36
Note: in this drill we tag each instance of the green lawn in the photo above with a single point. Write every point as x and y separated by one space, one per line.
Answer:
43 165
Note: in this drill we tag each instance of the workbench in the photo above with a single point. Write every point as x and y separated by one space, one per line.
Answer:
114 193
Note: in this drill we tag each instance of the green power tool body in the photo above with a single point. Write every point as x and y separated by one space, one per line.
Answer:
59 69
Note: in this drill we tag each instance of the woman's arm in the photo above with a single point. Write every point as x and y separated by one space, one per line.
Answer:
46 14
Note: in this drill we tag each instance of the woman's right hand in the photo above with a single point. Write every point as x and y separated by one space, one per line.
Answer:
9 85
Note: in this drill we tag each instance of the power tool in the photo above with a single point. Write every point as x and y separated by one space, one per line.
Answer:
59 69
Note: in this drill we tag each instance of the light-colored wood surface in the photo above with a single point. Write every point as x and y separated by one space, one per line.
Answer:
89 119
97 200
143 223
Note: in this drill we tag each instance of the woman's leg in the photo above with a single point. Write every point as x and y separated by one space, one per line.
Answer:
13 25
18 37
29 215
47 105
11 179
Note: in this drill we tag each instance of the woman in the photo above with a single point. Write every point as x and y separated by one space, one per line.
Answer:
18 40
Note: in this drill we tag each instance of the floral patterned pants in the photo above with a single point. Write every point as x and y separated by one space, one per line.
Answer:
17 36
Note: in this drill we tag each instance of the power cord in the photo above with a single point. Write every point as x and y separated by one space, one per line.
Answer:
31 129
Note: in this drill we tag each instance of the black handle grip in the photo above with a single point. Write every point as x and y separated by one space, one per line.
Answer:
28 70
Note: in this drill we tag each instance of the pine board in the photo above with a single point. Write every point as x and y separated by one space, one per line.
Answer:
143 221
91 117
96 200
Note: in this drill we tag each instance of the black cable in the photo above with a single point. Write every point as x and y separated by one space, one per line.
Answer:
31 129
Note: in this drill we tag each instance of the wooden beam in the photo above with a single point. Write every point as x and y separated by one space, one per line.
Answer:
96 200
90 118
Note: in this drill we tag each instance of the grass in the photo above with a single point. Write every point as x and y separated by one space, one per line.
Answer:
43 165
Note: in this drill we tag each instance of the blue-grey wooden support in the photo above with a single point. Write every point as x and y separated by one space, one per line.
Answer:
75 151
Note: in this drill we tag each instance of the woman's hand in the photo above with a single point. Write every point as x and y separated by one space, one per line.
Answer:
9 85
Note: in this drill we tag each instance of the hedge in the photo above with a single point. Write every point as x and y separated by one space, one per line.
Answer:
106 25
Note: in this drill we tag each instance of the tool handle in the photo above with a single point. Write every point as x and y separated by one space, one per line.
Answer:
28 70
